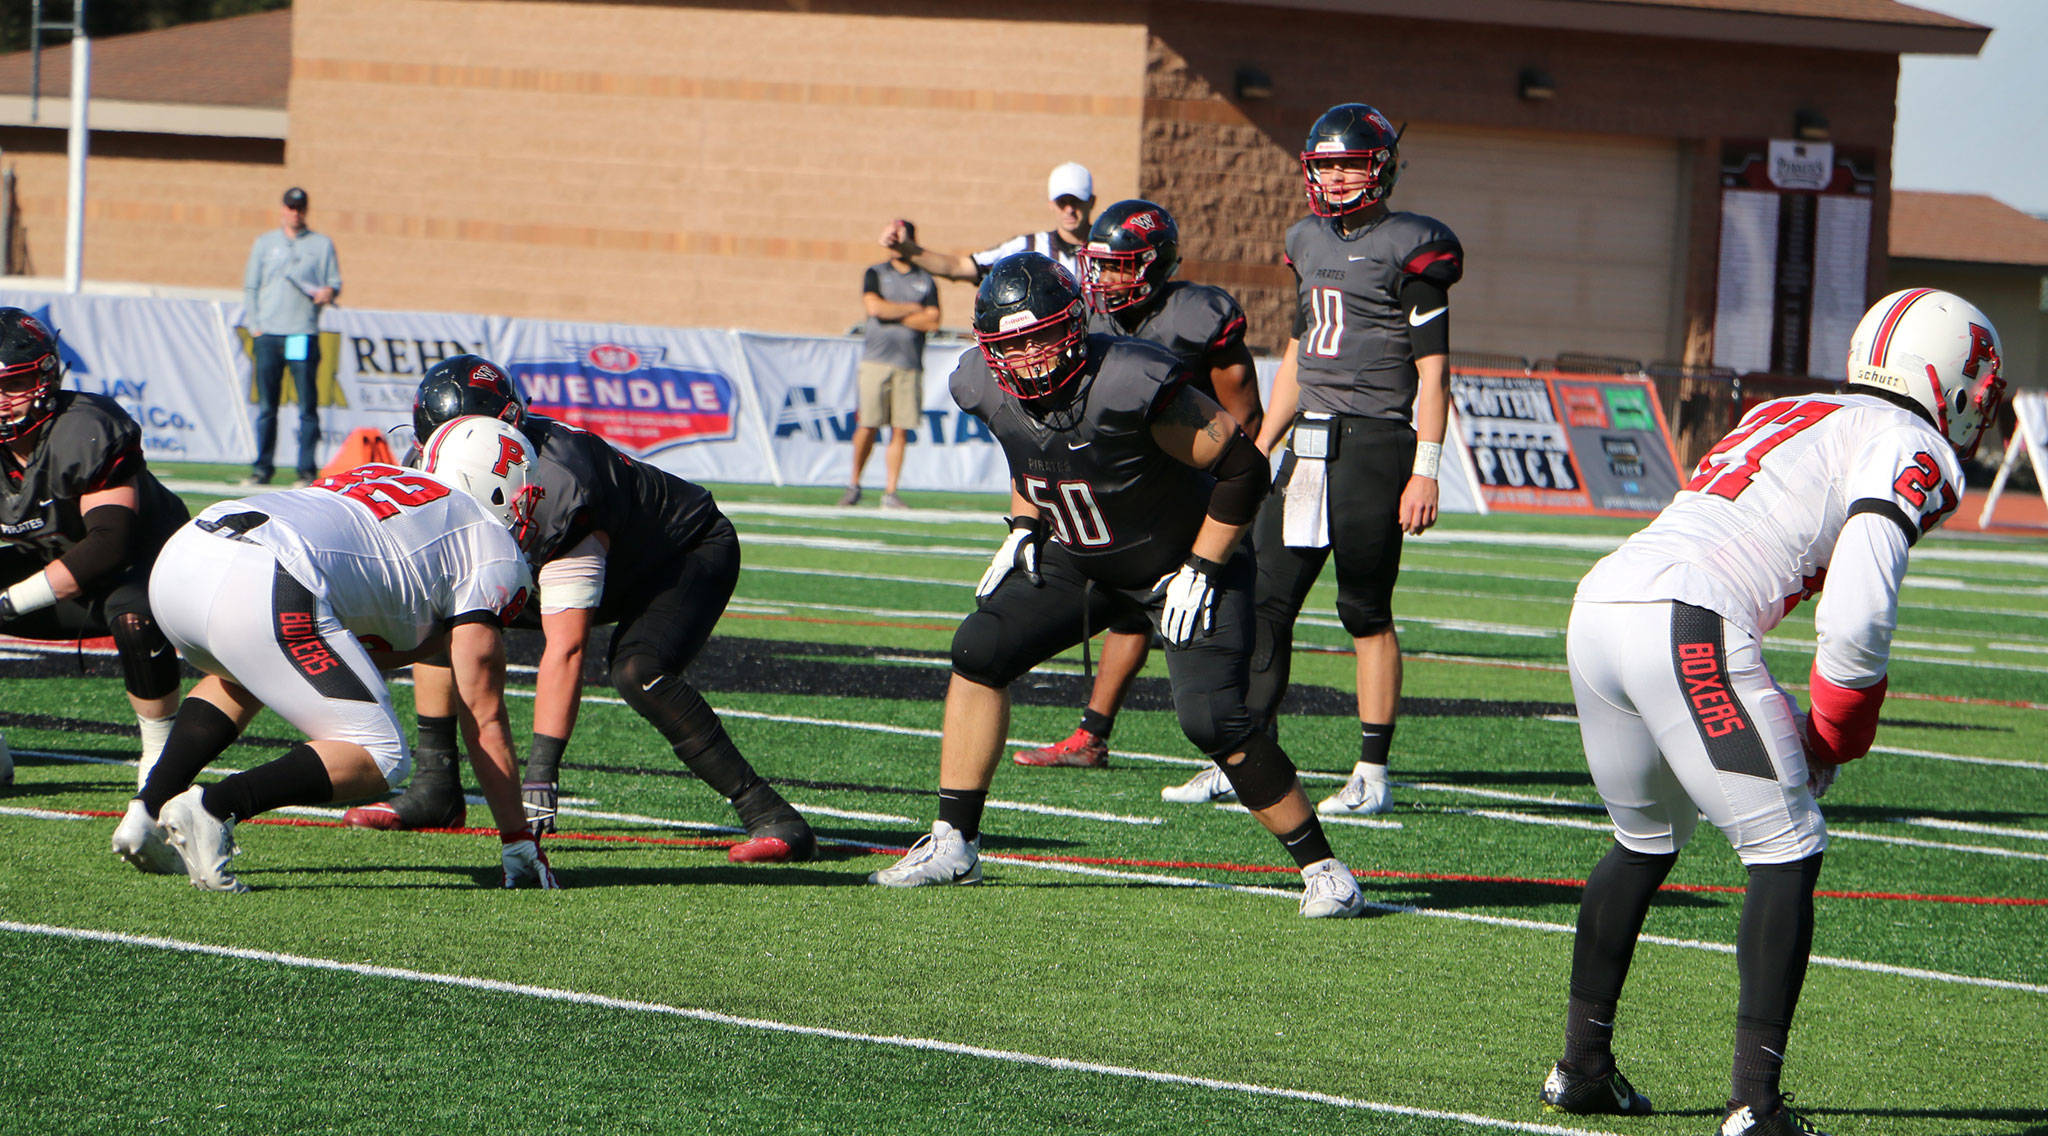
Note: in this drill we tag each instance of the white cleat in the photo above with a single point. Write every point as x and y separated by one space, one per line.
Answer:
938 857
1364 795
140 840
1208 785
205 842
1328 891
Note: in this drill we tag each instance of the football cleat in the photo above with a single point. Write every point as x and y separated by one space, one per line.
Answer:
776 832
1611 1095
939 857
432 800
1081 748
1743 1121
1329 891
1208 785
139 839
1364 795
205 842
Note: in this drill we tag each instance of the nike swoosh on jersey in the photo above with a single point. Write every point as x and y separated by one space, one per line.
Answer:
1417 319
1367 256
1080 445
46 502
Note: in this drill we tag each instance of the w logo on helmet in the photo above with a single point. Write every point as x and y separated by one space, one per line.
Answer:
1143 222
487 377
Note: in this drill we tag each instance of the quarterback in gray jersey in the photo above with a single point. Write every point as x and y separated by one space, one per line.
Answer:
1126 274
81 521
1145 487
612 540
1365 388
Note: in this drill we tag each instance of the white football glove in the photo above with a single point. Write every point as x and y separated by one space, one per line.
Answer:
1821 778
1018 553
525 863
1190 601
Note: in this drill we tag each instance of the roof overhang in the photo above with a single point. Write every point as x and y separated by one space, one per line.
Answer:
150 118
1672 22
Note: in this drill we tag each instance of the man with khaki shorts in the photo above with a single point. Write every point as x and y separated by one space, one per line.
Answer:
903 304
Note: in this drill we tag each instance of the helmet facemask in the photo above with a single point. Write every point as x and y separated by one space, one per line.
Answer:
1335 193
28 395
1115 281
1034 359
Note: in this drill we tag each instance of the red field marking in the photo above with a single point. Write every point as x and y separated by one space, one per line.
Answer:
1126 862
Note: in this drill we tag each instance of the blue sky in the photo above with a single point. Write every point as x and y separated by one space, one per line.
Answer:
1979 125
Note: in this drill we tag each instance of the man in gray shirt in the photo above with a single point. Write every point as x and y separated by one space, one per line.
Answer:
903 304
292 271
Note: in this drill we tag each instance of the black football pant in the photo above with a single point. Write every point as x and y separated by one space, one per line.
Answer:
1374 460
1019 626
117 607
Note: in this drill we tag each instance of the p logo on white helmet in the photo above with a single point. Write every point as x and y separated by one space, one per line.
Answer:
1940 351
489 460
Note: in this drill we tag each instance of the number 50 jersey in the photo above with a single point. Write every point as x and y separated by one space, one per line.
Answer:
398 554
1818 489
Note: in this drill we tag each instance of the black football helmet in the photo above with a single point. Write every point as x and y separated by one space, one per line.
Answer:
1358 132
1032 326
30 373
1131 252
462 385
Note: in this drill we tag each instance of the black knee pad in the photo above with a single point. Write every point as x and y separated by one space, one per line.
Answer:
148 665
978 652
1264 777
1362 619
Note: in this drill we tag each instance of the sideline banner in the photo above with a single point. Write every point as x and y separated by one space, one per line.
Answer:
1565 443
165 361
678 398
810 395
2029 436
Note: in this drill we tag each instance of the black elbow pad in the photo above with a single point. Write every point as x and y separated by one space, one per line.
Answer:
1242 478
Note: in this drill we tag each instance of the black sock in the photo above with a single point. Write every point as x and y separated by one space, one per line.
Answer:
198 735
1771 951
437 733
1307 844
1611 914
1374 740
297 778
1098 724
961 808
1589 1037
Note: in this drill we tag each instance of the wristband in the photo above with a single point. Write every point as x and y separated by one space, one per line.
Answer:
31 595
1428 456
544 758
1204 565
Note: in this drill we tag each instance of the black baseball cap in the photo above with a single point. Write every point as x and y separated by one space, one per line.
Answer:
295 198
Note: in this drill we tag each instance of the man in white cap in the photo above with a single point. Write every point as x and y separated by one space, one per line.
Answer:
1070 190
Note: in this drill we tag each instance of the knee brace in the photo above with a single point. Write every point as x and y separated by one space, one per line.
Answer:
978 652
148 664
685 720
1263 776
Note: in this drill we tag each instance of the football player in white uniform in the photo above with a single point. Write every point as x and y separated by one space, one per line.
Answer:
1680 717
297 601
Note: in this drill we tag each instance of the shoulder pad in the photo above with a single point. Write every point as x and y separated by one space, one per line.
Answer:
974 388
1432 251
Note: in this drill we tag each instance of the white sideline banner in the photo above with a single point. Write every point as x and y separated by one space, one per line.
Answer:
165 361
2029 437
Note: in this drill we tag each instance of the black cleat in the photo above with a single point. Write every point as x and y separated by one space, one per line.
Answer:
1743 1121
1611 1095
432 800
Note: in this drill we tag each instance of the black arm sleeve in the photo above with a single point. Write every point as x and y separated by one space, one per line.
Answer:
109 545
1433 335
870 283
1242 478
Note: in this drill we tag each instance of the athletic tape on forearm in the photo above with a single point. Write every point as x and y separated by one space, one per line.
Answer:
1428 456
32 594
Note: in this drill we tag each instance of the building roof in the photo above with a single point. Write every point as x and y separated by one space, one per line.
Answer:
1853 25
226 77
1966 228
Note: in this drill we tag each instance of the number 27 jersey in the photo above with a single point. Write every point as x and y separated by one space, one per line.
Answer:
1760 524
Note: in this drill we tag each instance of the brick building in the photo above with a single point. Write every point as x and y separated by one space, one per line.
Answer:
729 163
1984 249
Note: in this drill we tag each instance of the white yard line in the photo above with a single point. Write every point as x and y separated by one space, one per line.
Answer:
765 1025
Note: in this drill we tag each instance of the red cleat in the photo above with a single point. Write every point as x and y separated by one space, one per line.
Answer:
762 850
1080 749
384 817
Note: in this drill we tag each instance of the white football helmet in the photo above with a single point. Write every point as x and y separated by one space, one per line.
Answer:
488 459
1937 349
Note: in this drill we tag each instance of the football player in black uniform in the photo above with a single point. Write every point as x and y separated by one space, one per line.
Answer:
1145 486
1365 386
81 520
616 541
1126 273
